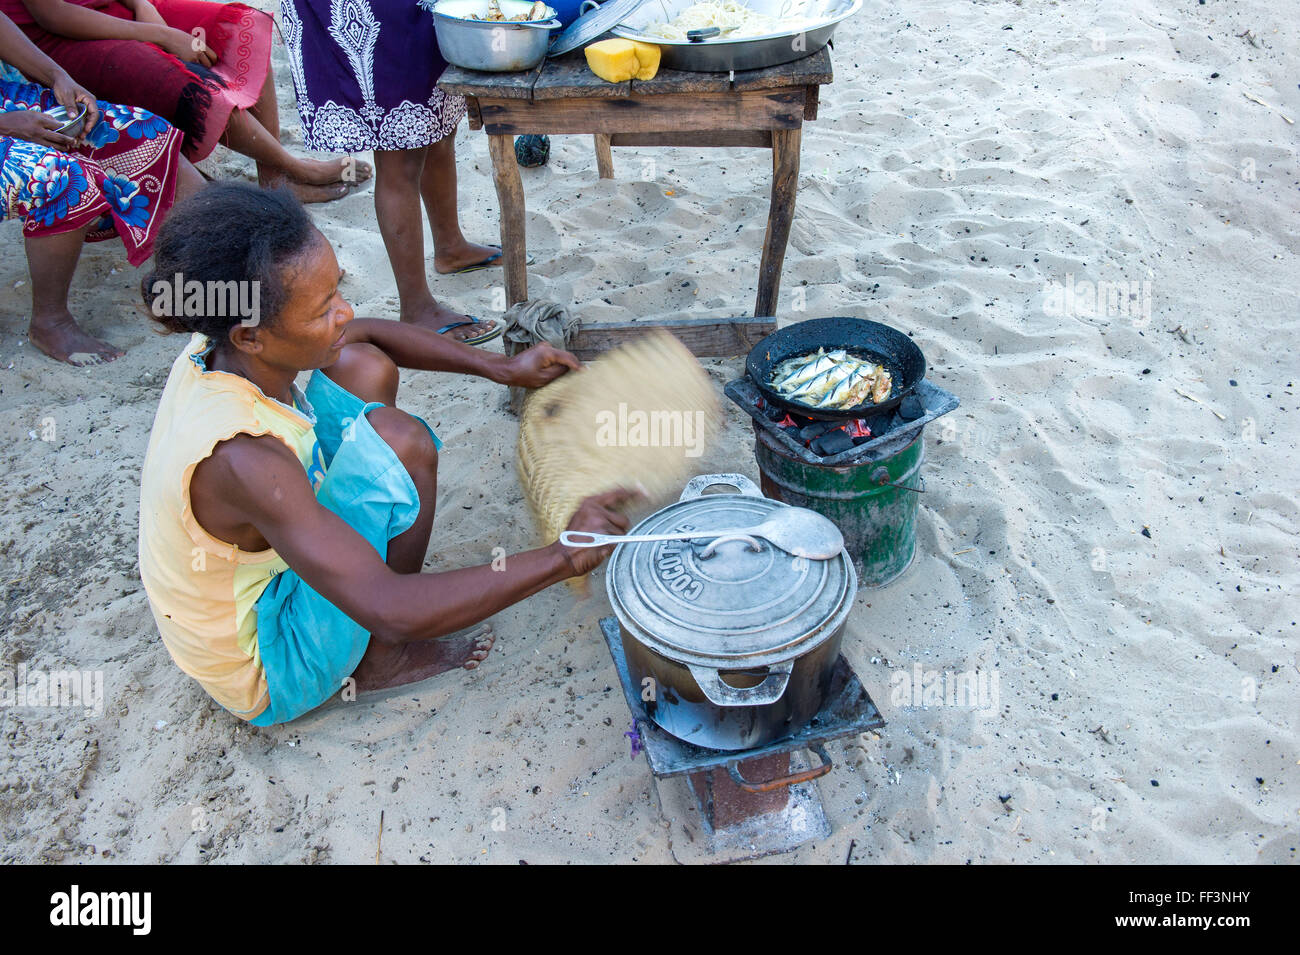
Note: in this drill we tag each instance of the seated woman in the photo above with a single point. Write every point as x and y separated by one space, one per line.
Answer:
118 178
204 67
283 533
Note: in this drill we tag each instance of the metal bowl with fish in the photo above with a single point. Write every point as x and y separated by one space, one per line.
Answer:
836 368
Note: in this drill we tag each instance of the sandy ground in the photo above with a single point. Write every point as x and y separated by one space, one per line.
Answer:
966 157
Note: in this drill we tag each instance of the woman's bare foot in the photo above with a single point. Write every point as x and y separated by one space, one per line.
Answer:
464 256
60 337
327 193
318 172
436 317
385 666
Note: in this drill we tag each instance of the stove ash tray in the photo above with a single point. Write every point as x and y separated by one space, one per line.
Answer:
740 825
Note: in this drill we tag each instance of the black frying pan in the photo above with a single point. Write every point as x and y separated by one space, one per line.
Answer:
882 344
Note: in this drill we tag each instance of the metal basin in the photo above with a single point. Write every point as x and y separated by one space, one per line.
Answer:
487 45
747 53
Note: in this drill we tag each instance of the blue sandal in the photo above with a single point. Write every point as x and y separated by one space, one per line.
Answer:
486 337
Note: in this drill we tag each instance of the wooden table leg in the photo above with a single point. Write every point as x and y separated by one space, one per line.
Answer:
604 156
510 197
785 185
514 246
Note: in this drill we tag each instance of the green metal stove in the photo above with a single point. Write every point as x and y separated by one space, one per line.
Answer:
865 475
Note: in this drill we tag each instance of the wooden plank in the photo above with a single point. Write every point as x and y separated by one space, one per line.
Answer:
604 158
752 138
497 85
471 108
705 337
807 71
700 112
682 81
569 77
785 184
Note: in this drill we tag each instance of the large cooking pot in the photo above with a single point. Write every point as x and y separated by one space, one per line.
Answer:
732 640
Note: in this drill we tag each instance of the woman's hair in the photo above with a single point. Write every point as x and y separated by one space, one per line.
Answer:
233 240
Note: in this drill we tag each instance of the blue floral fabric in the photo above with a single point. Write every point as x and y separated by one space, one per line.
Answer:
119 184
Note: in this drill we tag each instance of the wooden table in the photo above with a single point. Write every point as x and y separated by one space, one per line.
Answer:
758 108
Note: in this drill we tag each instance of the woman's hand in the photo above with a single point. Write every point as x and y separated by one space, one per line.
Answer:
539 365
181 45
598 514
34 126
72 97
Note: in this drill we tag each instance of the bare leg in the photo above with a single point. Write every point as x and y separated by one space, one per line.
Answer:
189 181
52 260
313 180
266 110
370 375
451 250
398 174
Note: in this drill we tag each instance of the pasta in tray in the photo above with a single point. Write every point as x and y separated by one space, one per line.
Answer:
722 14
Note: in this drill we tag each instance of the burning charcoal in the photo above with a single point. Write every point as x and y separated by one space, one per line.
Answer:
815 430
861 439
771 412
832 442
911 408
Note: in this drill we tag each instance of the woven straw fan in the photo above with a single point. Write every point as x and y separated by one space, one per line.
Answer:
640 415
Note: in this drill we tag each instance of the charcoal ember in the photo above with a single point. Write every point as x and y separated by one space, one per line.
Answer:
911 408
832 442
816 430
771 412
861 439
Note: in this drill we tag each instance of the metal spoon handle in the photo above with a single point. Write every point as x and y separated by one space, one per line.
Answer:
572 538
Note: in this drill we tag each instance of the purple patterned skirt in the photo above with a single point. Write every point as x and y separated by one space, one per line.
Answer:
366 74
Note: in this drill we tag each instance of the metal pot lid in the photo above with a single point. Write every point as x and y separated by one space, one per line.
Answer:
746 604
593 24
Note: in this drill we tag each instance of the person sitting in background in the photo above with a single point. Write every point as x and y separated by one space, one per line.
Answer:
283 533
204 67
117 178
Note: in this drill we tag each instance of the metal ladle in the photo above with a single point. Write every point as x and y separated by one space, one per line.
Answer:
796 530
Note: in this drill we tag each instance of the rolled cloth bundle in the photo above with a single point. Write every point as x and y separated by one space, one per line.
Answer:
636 417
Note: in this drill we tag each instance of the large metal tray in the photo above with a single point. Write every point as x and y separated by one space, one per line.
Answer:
749 53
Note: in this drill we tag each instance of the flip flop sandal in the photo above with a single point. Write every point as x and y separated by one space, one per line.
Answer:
486 337
476 267
486 263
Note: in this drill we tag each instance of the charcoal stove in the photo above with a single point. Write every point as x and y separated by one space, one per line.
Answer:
742 805
863 474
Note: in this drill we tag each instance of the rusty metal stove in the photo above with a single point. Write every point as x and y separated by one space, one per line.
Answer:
743 805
